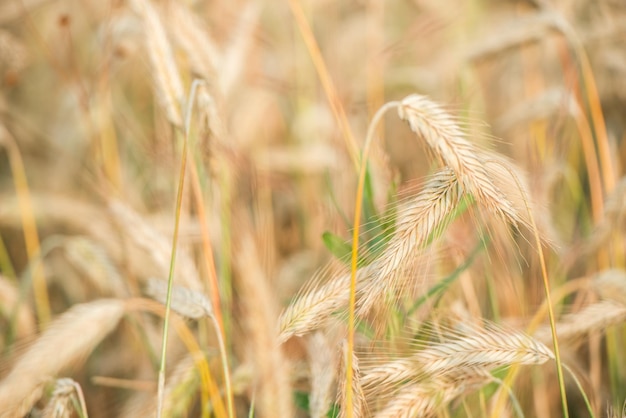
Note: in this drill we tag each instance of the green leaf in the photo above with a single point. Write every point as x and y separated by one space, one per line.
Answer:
338 247
301 399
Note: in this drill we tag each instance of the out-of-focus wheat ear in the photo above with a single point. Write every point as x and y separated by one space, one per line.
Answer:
66 341
186 302
572 328
613 219
236 53
13 308
66 395
359 405
190 34
93 261
168 85
322 361
489 347
418 221
14 52
448 142
260 315
158 247
513 183
611 285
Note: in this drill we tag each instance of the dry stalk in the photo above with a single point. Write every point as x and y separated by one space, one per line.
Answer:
68 340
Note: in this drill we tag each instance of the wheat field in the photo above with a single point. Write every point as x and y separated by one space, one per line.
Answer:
308 208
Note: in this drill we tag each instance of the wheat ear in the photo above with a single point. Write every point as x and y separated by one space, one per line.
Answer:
69 339
418 222
168 85
596 317
186 302
458 351
256 298
322 358
423 399
61 405
159 247
449 143
358 397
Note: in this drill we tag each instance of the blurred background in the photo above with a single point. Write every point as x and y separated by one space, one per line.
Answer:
94 97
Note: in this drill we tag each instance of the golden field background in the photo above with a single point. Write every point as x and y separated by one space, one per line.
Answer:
273 101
